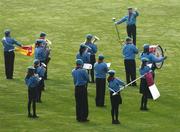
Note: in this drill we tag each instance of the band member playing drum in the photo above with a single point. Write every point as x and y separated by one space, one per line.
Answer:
151 57
92 50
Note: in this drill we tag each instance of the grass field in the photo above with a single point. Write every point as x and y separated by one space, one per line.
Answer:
66 22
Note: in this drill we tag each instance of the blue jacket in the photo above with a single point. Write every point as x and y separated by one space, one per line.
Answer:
100 69
144 70
152 58
40 71
80 76
8 43
85 57
129 51
32 82
115 84
130 20
40 53
44 43
93 47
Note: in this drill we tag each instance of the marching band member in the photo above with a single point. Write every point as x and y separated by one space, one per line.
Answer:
83 54
114 85
130 20
151 57
47 50
8 44
92 50
144 89
129 52
40 71
32 83
81 78
100 69
40 52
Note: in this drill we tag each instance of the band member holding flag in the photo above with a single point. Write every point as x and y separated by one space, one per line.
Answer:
130 20
101 70
144 89
83 54
8 44
114 85
92 50
81 78
129 52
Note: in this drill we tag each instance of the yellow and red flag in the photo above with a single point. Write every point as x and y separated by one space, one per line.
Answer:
27 50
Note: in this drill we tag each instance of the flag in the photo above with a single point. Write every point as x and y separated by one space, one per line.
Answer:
27 50
152 87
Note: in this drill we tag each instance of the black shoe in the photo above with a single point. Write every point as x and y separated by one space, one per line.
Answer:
9 78
117 122
134 84
146 109
141 108
102 106
35 116
39 101
113 122
30 115
85 120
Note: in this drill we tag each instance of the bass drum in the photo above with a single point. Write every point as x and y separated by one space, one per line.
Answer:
158 52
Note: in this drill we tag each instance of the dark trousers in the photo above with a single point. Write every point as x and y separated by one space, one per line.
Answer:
144 101
46 62
40 89
81 103
32 97
131 32
130 68
92 62
100 91
45 74
9 64
115 101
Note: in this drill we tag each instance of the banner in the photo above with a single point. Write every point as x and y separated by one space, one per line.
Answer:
152 87
27 50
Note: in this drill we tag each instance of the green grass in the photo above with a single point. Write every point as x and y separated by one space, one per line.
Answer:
66 22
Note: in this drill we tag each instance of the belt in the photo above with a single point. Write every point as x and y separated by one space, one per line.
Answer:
132 25
11 50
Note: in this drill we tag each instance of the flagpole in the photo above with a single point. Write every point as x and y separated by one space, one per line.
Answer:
128 84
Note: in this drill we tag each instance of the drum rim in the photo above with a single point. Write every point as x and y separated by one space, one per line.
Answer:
162 56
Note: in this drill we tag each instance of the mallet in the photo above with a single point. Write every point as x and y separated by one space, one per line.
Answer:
114 20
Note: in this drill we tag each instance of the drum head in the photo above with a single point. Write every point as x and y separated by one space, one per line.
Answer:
159 53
